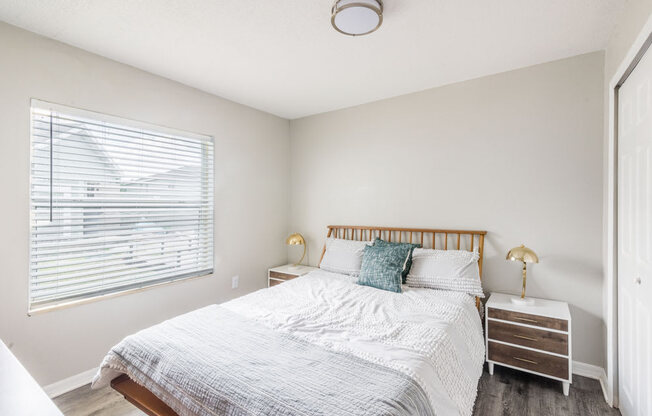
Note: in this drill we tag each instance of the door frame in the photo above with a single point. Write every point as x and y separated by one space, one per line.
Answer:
627 65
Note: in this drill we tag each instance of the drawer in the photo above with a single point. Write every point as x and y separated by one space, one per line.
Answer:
526 318
279 275
274 282
529 360
529 337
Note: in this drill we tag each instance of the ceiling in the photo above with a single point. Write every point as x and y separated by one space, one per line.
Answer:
284 57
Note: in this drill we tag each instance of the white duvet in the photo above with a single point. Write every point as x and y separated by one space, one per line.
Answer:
433 336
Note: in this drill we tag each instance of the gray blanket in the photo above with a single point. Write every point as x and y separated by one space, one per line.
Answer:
215 362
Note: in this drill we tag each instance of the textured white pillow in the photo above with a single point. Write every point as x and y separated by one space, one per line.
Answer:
343 256
455 270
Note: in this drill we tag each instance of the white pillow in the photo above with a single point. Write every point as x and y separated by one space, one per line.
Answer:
455 270
343 256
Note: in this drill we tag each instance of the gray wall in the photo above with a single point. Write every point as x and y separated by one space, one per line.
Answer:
251 197
518 154
628 25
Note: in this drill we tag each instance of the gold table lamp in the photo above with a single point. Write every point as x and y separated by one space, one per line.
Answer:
526 255
297 239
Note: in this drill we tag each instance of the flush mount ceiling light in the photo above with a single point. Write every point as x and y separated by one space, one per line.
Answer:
357 17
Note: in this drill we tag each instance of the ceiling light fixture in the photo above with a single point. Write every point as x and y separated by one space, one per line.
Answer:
357 17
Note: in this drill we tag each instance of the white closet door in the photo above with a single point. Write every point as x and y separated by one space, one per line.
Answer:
634 241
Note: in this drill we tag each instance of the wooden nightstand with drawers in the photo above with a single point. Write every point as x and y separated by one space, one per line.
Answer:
534 338
280 274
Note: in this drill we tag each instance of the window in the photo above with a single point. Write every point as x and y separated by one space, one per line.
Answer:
115 205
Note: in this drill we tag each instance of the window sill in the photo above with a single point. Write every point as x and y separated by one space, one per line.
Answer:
64 305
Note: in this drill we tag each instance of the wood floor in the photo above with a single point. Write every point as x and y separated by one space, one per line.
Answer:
513 393
507 393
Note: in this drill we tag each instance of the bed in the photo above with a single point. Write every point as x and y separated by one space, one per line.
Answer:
319 344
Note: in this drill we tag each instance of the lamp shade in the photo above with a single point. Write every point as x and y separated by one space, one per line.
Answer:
522 253
295 239
357 17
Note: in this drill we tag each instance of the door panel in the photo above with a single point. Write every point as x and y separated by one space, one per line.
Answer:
634 240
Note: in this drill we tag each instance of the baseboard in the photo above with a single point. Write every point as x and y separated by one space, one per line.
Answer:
67 384
595 372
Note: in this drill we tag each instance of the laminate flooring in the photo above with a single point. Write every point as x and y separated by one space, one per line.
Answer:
506 393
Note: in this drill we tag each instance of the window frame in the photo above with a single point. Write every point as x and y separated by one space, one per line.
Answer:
36 104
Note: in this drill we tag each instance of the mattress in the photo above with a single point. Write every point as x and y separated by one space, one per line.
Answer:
337 348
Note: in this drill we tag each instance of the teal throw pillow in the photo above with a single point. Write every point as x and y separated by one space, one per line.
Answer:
382 266
408 265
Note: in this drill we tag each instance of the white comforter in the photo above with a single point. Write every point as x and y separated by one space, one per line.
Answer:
433 336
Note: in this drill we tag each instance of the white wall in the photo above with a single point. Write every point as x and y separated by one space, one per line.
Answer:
518 154
251 197
628 25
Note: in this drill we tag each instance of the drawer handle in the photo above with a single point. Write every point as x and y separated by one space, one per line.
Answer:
524 337
527 361
525 319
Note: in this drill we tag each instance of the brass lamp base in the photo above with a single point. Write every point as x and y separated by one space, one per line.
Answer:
523 301
526 255
297 265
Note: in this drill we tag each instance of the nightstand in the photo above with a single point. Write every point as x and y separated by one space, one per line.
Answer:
280 274
533 338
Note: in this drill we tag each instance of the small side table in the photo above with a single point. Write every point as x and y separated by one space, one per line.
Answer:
280 274
532 338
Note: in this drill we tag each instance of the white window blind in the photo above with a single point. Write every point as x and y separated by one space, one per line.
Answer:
115 205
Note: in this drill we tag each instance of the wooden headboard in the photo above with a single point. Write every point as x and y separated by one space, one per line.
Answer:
428 238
